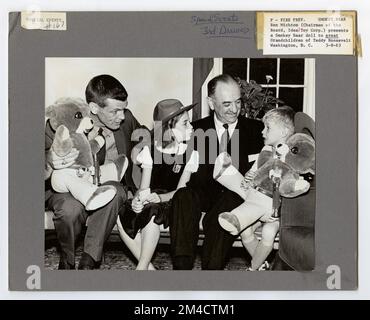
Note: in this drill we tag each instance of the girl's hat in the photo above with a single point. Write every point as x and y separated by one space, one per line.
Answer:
303 123
167 109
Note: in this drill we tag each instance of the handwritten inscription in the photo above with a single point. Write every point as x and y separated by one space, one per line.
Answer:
44 20
221 26
215 18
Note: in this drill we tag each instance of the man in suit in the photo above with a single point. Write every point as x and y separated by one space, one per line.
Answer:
223 130
107 99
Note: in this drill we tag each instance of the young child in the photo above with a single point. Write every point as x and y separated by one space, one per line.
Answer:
258 206
165 168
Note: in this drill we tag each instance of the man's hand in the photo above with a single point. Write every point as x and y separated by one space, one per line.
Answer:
57 162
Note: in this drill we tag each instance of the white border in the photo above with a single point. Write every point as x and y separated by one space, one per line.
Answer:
363 7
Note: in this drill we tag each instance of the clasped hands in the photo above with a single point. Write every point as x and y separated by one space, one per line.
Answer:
141 199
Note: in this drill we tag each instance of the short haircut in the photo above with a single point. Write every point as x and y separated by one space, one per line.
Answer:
103 87
283 116
212 84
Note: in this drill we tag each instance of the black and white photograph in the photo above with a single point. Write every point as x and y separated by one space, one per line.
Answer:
177 143
180 164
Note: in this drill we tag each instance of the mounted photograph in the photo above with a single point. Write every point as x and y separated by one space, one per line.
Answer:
186 144
180 164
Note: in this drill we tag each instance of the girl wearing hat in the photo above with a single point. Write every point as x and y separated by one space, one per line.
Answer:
165 168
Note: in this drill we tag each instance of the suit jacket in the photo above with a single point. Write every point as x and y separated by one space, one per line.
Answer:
123 141
245 141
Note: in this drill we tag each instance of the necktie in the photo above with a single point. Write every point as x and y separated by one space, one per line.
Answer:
101 153
224 139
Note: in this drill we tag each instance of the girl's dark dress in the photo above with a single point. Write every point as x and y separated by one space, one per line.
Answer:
166 172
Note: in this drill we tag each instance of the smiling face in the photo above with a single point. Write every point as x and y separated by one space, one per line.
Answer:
112 114
226 102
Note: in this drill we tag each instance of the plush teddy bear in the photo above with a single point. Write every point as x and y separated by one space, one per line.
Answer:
70 120
285 165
